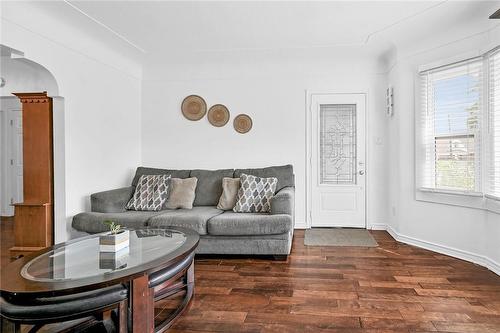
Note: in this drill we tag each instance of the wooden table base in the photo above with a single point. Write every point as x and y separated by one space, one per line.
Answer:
141 305
143 299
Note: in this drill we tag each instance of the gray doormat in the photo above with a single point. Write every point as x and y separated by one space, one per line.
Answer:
339 237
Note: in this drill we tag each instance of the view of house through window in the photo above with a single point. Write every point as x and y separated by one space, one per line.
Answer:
453 122
456 108
460 131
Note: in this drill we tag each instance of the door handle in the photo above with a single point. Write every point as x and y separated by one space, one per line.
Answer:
361 172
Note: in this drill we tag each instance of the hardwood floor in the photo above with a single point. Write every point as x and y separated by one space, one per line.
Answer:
6 239
394 288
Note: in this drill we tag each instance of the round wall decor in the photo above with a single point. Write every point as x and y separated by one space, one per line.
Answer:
242 123
194 107
218 115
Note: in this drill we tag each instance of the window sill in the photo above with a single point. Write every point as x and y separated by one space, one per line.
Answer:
492 197
473 200
451 192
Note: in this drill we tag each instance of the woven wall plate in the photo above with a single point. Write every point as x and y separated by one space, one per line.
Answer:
242 123
218 115
194 107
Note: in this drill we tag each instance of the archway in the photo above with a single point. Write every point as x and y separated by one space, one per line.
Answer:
24 75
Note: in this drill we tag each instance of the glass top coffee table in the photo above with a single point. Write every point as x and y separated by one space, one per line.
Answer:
83 259
154 256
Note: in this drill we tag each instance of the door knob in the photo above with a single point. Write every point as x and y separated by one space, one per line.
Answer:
361 172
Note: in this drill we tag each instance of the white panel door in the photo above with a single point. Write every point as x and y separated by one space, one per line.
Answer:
17 155
338 160
12 154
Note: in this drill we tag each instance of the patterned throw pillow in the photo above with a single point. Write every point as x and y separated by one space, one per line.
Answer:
254 194
151 193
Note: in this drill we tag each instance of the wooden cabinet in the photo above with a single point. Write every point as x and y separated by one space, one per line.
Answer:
33 219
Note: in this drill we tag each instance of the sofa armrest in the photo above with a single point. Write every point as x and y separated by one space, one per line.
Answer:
283 201
113 201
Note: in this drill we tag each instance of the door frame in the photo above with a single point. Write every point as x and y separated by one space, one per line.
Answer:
309 141
7 142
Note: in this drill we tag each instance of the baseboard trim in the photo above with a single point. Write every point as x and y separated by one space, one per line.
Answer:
300 225
443 249
378 226
373 226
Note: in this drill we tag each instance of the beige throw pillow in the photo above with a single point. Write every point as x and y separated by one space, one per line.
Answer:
229 195
182 193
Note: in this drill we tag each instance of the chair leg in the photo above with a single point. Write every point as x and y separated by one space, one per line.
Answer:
8 326
123 316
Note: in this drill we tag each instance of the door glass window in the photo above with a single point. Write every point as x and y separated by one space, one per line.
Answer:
337 144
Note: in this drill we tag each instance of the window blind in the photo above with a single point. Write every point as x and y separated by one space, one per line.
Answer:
493 168
451 118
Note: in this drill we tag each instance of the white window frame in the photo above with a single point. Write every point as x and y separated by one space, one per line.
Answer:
470 199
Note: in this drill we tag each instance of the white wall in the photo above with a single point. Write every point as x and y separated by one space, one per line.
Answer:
492 248
22 75
273 93
104 136
472 234
102 94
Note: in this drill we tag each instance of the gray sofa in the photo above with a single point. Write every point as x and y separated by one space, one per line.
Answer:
221 232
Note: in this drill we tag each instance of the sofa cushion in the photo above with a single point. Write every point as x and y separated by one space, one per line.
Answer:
209 186
284 173
112 201
154 171
238 224
93 222
195 218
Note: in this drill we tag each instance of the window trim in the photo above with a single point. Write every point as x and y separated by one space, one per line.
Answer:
468 199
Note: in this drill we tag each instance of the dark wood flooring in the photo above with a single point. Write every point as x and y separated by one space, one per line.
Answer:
394 288
6 239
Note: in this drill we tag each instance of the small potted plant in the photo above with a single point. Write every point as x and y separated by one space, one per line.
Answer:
114 240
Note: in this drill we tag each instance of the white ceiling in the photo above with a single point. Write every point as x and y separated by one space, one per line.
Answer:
166 30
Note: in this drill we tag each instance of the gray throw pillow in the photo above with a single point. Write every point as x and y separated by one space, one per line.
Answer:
254 194
182 193
229 194
150 193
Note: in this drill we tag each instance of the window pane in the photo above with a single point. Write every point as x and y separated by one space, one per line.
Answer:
455 162
452 109
456 104
338 144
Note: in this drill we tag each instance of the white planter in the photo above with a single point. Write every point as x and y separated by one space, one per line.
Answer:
114 242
